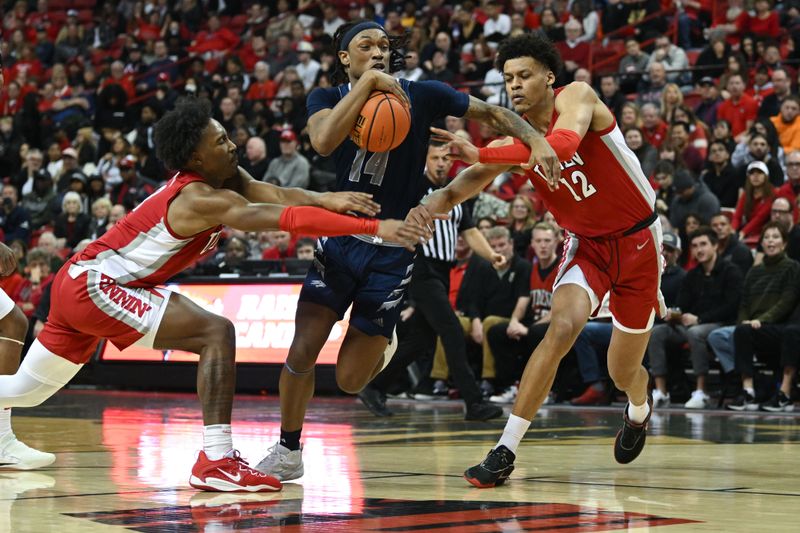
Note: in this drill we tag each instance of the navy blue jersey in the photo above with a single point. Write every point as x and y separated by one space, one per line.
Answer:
396 179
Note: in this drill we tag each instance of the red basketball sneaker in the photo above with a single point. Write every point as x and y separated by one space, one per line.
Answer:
230 474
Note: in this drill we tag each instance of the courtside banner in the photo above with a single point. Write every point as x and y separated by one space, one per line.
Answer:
263 316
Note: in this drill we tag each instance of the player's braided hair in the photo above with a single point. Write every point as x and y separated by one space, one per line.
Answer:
532 45
178 132
397 57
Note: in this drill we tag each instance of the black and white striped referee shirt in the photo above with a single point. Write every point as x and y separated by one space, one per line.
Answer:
442 246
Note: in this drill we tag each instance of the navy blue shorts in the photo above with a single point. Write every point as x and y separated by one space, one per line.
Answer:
372 278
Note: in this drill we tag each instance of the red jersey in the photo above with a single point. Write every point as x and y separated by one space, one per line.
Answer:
603 191
141 250
542 289
738 114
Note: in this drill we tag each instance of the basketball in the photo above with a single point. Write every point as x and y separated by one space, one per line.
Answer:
383 123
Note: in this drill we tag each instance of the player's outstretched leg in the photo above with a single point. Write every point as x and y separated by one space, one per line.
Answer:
625 354
13 328
219 467
40 375
571 307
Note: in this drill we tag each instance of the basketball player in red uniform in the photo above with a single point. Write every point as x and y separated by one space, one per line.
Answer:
112 289
604 201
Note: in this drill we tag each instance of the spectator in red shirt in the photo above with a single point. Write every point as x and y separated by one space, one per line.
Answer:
37 276
740 110
10 99
215 39
752 211
253 52
574 52
283 246
764 23
653 128
119 77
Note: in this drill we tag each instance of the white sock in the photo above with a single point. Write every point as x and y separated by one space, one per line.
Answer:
217 441
638 413
5 421
751 391
513 433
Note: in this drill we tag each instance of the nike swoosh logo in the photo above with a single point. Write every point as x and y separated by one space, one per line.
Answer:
237 477
640 246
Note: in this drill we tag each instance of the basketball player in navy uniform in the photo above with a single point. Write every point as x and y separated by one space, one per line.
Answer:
361 271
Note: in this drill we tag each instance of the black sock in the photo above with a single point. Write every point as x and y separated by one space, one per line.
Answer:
291 439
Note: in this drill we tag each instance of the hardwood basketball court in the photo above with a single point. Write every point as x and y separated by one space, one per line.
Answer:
124 460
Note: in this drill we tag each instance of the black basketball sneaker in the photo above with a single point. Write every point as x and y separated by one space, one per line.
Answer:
630 439
492 471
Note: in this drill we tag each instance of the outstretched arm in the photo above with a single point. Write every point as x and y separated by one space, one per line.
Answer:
509 123
340 202
199 207
578 109
468 183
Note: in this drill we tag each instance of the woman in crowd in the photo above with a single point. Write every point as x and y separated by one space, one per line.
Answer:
753 208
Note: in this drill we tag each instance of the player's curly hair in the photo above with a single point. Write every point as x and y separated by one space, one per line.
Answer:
397 57
532 45
178 132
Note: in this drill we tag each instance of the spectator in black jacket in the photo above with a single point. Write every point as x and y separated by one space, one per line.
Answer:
782 85
41 201
730 248
14 219
72 225
769 296
720 176
782 213
492 297
611 95
708 298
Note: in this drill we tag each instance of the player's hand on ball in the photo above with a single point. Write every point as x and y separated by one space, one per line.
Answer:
406 233
460 148
8 263
543 154
343 202
384 82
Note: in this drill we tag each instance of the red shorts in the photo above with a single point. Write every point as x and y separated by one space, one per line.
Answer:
91 306
627 267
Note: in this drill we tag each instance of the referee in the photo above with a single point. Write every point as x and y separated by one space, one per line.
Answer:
433 314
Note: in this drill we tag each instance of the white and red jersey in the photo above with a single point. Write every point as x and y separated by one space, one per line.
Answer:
603 191
141 250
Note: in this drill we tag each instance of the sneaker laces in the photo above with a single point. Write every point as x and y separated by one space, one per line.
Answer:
275 456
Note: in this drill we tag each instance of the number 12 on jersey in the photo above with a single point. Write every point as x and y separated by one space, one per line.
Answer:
375 167
579 178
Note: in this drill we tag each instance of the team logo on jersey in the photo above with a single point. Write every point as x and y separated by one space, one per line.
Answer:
123 298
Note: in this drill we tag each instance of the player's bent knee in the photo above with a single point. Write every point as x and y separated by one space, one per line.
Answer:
221 332
350 383
561 332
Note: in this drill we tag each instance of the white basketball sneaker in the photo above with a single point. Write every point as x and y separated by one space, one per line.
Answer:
282 463
15 455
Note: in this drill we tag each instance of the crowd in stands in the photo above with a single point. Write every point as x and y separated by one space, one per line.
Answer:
705 93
